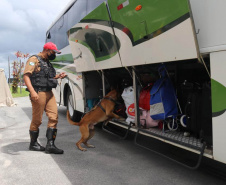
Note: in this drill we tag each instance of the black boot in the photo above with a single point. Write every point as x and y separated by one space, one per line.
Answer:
50 147
34 145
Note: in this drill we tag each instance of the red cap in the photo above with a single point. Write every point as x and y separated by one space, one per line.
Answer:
51 46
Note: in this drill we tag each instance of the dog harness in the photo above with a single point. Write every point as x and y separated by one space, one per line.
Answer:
106 98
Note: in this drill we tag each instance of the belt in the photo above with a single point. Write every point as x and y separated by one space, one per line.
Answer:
42 89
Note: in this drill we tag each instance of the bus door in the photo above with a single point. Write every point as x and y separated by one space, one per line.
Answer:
93 43
153 31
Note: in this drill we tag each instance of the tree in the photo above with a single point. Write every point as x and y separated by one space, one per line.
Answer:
17 69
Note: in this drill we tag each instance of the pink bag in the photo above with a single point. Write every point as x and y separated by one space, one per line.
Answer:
145 119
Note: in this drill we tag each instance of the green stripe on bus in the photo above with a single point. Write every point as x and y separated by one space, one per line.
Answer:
218 96
106 57
152 16
64 58
63 67
96 59
99 13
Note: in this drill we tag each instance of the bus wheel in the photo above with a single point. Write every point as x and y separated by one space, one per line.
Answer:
74 115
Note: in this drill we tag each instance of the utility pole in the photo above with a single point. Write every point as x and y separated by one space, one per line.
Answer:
9 70
20 77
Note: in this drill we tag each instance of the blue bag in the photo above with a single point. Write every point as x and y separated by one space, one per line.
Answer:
163 102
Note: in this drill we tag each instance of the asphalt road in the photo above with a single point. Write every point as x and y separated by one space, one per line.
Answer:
113 161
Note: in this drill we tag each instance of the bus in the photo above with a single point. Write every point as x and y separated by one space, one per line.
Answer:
123 42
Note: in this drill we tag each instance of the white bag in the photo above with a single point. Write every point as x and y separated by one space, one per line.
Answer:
128 97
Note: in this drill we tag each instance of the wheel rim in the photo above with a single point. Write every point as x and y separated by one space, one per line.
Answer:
70 105
183 121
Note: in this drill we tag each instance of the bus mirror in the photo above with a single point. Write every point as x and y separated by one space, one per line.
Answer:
48 35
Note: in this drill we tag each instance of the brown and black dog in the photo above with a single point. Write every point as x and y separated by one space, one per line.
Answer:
102 112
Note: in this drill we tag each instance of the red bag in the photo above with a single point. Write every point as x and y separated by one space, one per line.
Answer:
144 100
120 110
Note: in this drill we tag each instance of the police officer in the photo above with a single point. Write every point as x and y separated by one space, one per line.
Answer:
40 77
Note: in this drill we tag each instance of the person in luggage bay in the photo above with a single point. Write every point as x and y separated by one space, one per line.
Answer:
40 77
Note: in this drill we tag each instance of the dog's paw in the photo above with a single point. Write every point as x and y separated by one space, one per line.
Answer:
82 149
121 119
89 146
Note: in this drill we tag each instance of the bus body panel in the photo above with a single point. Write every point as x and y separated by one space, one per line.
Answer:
151 35
92 41
209 17
218 68
64 63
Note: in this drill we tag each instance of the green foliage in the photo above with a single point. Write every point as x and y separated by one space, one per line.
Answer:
16 75
18 94
17 69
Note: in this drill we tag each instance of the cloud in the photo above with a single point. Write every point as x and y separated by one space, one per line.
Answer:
13 20
23 25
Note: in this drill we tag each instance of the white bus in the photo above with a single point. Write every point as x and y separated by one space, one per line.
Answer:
104 42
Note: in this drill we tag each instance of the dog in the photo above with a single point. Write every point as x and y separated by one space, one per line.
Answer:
100 113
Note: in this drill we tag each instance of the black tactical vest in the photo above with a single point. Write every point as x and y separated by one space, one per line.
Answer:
44 79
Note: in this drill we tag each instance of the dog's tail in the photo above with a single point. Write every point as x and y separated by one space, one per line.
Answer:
70 121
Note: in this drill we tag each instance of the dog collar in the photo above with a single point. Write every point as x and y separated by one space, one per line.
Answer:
109 98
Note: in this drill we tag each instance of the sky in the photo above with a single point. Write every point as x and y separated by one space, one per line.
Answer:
23 26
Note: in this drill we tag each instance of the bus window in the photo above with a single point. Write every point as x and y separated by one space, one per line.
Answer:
61 32
76 13
92 4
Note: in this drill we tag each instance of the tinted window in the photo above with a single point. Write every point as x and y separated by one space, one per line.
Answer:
76 13
61 32
58 32
92 4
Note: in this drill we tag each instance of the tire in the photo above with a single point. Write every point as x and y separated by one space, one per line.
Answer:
74 115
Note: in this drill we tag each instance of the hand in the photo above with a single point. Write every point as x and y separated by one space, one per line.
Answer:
62 75
34 96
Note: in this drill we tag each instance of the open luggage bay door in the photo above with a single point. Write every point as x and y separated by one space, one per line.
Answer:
153 31
93 43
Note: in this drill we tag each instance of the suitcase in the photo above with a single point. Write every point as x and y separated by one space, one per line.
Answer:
206 114
192 112
198 111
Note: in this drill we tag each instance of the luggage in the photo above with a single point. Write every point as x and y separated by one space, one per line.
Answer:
197 109
128 97
163 102
120 110
192 112
206 114
145 119
144 100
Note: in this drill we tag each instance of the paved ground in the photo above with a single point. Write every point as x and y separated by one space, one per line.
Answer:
113 161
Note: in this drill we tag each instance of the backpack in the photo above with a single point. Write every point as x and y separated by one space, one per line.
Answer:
163 102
